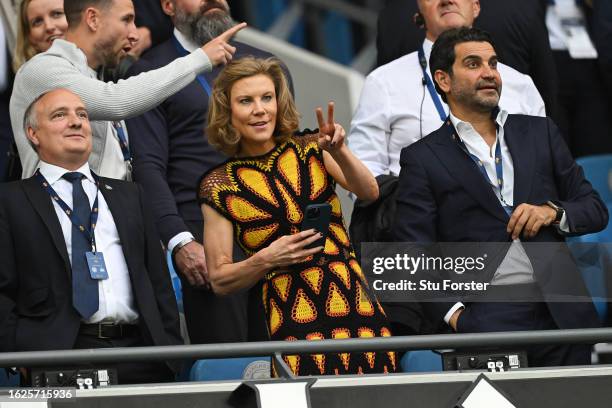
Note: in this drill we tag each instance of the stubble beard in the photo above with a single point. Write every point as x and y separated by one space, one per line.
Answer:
476 102
106 55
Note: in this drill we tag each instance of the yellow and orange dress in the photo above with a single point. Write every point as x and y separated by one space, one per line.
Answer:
326 298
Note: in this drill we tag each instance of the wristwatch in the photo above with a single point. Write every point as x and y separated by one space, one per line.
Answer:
560 212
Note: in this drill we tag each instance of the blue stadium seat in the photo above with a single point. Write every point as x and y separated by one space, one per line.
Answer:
266 13
593 259
421 361
598 170
593 254
339 38
230 369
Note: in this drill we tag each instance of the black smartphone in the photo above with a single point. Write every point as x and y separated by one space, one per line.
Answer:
317 216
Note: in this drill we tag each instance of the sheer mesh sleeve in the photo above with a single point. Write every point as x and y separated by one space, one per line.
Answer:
209 187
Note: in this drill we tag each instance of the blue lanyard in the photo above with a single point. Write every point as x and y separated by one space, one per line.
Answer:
499 170
93 218
183 52
125 148
432 89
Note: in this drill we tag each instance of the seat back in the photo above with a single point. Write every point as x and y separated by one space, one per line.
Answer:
598 170
421 361
248 368
593 254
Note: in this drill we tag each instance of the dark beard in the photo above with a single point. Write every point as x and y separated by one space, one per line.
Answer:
201 28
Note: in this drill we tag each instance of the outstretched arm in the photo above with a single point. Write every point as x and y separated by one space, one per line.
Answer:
128 97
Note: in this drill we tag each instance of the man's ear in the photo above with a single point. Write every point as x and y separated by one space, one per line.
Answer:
418 20
443 80
31 134
476 8
167 7
91 15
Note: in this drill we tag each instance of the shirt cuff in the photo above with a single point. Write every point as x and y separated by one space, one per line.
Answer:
174 241
452 310
563 224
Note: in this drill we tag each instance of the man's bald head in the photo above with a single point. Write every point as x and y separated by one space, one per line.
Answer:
442 15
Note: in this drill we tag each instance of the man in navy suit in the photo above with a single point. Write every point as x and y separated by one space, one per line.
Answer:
169 162
53 225
489 177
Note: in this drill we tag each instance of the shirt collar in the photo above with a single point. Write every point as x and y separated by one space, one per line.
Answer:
427 46
462 126
185 42
53 173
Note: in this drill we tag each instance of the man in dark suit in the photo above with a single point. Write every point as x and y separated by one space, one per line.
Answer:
486 176
82 266
516 26
170 161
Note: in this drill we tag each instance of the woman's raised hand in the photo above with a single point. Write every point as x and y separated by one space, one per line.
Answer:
331 134
291 249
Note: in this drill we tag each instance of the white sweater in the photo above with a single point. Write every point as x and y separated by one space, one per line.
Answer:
65 66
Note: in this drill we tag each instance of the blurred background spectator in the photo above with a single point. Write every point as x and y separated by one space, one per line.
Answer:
584 106
39 23
517 27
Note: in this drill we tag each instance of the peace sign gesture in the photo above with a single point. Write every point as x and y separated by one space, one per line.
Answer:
331 134
218 50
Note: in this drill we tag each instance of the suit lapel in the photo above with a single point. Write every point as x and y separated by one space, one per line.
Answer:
118 208
41 202
463 169
522 150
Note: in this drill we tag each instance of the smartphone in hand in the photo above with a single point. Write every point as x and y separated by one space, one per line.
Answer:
317 216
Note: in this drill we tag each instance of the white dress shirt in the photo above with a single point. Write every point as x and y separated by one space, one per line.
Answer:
115 293
388 116
515 268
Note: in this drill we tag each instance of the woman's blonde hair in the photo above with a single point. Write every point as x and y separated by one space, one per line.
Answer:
221 133
23 49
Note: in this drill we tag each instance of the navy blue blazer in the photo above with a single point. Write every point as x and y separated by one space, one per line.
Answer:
443 197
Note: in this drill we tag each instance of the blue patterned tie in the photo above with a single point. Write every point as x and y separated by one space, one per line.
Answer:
84 288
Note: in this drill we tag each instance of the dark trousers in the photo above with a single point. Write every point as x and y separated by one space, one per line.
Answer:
222 319
584 106
480 317
128 372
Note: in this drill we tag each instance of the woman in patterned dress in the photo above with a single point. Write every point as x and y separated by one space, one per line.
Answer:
258 197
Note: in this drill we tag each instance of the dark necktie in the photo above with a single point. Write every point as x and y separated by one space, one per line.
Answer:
84 288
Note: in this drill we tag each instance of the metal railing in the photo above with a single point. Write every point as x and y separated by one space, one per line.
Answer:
277 348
